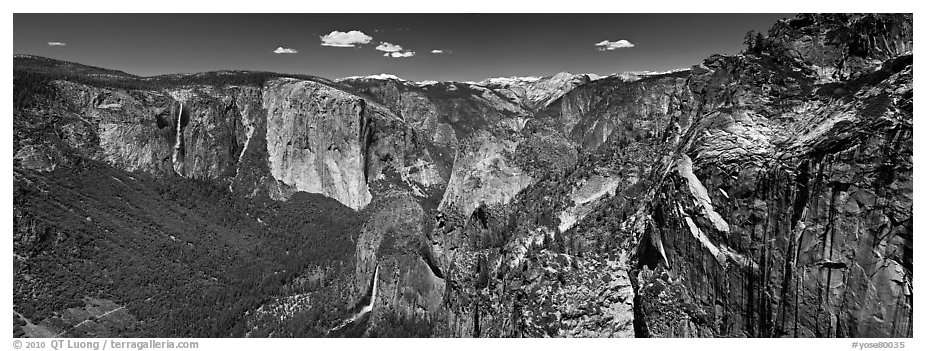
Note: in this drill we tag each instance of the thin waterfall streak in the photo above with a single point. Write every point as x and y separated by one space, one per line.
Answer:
366 309
178 140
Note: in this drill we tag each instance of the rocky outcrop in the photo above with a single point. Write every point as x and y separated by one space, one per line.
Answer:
38 158
483 174
411 286
839 47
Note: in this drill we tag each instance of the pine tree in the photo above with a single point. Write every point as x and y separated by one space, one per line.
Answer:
749 40
758 44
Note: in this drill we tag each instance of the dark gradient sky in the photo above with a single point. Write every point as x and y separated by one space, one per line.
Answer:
482 45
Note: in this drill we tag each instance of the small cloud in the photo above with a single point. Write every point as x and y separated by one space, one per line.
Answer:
441 51
607 45
388 47
400 54
345 39
56 43
393 50
282 50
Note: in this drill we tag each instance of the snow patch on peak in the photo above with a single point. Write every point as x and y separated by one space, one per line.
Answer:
509 80
656 73
381 76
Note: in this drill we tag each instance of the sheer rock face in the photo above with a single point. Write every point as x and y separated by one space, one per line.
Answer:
315 140
292 135
213 129
817 197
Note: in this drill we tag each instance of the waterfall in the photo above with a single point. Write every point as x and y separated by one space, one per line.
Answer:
366 309
249 133
179 138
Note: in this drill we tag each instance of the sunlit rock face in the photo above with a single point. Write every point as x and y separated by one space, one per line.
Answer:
291 135
315 140
483 173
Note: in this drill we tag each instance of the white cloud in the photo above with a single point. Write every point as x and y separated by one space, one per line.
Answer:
282 50
607 45
56 43
388 47
441 51
345 39
400 54
393 50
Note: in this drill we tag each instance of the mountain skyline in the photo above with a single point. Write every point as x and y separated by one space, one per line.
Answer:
444 47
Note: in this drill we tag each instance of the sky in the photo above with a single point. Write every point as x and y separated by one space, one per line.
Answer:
460 47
